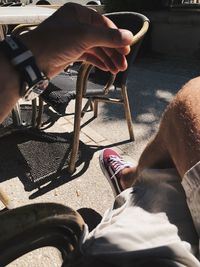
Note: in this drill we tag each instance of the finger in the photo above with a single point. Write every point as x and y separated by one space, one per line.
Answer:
114 62
115 56
112 59
106 37
95 60
109 23
118 60
107 60
92 59
124 50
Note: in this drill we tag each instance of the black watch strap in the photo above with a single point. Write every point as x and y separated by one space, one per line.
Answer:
24 62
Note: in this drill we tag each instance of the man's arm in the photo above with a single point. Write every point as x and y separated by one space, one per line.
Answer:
72 33
9 87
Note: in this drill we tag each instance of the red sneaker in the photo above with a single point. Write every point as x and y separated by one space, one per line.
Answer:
111 165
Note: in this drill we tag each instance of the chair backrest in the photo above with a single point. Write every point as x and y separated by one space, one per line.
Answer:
133 22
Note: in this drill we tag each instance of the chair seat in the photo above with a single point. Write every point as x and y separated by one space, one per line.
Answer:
57 97
65 81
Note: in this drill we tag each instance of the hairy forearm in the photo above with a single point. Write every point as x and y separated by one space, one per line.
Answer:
9 87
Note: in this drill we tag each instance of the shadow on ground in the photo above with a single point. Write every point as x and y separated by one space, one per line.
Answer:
37 157
40 159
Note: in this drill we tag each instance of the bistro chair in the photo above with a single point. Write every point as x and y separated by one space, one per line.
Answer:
138 24
134 23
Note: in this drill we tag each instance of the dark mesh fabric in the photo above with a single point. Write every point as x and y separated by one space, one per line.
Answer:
40 154
35 156
45 158
57 98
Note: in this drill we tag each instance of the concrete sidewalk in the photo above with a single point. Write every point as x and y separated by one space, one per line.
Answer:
152 83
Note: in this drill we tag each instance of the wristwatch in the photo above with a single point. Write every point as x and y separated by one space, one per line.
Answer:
32 81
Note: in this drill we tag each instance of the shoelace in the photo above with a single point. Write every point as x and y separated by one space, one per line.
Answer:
118 164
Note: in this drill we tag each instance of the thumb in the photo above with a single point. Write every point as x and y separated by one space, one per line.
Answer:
107 37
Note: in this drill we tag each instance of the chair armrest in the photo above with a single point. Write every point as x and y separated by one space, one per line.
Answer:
33 226
22 28
141 32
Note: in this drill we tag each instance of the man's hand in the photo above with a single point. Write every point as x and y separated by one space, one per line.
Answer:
77 33
72 33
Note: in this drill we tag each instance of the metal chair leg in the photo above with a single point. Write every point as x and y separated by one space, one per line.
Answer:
95 108
127 112
16 115
85 108
76 133
34 112
40 112
80 86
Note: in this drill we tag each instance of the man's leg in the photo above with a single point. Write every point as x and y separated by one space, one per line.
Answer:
178 139
159 192
177 143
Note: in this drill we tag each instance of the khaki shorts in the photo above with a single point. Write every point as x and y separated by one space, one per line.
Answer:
191 185
150 219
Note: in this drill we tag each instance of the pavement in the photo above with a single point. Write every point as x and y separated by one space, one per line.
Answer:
152 83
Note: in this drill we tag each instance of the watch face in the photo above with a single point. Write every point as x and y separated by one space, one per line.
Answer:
36 90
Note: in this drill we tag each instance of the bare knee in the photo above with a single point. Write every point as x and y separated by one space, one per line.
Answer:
186 103
189 93
180 126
